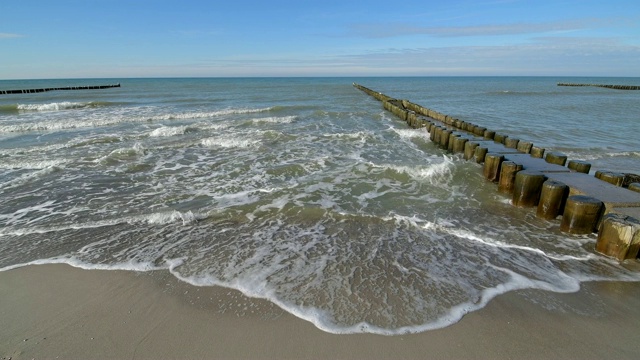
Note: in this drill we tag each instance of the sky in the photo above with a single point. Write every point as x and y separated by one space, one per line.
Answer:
248 38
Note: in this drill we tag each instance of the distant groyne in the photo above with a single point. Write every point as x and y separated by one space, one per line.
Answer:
607 203
29 91
617 87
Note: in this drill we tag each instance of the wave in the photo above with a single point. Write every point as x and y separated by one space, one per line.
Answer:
159 218
437 173
580 155
229 142
32 165
119 118
167 131
123 154
412 133
55 106
276 120
39 173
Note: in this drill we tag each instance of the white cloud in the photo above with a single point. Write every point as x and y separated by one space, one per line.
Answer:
9 36
394 30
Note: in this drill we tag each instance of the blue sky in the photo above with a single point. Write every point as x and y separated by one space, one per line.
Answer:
140 38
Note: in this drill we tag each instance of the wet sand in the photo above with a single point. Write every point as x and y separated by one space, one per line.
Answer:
56 311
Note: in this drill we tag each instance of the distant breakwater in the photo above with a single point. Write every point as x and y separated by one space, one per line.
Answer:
617 87
533 178
29 91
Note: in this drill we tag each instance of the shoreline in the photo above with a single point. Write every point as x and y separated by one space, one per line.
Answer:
52 311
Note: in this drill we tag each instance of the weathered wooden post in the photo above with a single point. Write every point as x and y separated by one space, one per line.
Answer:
611 177
479 130
619 237
524 146
499 138
436 134
527 188
537 152
489 134
444 138
459 144
581 214
492 166
556 158
634 187
470 149
552 199
579 166
511 142
452 137
481 152
508 172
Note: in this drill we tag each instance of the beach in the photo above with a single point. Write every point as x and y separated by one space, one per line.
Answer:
296 218
61 312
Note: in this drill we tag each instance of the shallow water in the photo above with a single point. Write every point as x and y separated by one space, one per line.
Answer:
302 191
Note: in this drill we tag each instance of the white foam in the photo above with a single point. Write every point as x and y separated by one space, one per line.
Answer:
421 133
34 164
30 176
126 115
54 106
596 156
229 142
166 131
276 120
434 173
123 153
159 218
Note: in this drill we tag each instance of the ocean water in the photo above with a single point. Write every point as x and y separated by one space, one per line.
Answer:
303 191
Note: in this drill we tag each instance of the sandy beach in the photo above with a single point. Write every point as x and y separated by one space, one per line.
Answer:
56 311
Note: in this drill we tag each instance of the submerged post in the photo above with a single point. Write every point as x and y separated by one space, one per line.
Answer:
619 237
508 172
581 214
527 188
552 199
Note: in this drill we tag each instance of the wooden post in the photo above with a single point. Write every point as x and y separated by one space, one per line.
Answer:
459 144
581 214
452 137
511 143
552 199
479 130
619 237
488 134
470 149
611 177
492 166
634 187
556 158
435 134
508 172
444 138
537 152
524 146
499 138
481 152
527 188
579 166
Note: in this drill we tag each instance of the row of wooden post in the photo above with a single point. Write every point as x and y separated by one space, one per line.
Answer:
29 91
528 188
617 87
618 235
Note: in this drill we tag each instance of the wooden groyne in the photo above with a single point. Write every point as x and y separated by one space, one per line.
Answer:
29 91
617 87
547 181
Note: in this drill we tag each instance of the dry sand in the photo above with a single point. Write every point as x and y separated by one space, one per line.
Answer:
56 311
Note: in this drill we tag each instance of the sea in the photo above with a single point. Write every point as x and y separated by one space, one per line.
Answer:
304 191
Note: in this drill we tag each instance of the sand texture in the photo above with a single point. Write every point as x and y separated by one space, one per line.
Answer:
56 311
